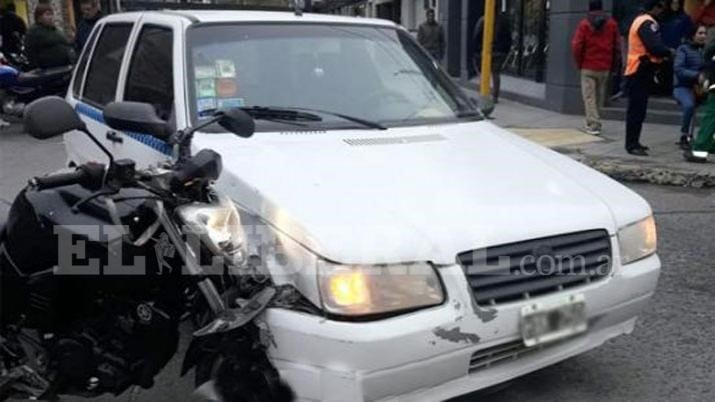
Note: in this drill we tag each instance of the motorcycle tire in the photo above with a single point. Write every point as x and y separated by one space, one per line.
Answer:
242 379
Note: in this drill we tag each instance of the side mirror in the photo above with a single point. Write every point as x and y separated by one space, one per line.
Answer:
137 117
49 117
238 122
485 105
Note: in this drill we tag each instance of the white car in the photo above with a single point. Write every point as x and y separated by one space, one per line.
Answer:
437 253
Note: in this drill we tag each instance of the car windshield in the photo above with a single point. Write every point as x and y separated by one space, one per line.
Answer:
377 74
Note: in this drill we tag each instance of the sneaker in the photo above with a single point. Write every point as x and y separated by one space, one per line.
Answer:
637 151
591 130
688 155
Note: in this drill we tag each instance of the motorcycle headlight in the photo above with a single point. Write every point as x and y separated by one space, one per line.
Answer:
219 226
357 290
638 240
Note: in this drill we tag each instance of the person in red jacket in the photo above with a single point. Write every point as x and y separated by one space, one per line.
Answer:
595 46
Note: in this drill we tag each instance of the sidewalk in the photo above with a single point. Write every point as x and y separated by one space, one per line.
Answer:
606 153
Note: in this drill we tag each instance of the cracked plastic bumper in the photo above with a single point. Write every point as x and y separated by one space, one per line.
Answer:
410 358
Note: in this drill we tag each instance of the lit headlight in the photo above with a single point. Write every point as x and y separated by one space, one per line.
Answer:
220 228
366 290
638 240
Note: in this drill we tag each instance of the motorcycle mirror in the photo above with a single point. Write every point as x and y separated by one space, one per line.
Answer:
205 165
237 121
136 117
49 117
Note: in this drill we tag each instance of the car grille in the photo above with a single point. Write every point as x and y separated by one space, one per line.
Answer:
486 358
522 270
490 357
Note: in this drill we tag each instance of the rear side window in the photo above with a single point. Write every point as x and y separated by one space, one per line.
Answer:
101 84
82 64
151 76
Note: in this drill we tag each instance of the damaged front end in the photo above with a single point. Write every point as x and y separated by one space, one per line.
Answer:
229 353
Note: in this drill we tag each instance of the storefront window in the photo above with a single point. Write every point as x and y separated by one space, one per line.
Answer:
529 21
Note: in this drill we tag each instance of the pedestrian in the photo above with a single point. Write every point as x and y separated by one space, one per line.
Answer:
91 13
704 143
501 46
675 29
46 46
704 13
677 26
12 30
431 36
688 78
646 51
595 45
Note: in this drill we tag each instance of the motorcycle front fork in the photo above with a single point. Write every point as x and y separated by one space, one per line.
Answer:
189 257
225 319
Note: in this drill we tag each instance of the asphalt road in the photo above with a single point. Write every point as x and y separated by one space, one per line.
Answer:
670 355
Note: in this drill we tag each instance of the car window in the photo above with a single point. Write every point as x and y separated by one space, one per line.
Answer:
82 64
150 78
373 73
101 84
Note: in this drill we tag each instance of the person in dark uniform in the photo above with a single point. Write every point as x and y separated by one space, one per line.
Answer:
91 13
646 51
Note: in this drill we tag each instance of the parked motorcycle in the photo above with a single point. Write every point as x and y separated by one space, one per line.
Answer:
19 59
21 87
98 267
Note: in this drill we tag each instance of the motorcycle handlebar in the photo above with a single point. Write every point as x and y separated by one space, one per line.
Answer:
89 176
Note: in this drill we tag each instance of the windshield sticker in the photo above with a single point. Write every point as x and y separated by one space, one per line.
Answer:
205 104
226 68
203 72
206 88
231 102
226 88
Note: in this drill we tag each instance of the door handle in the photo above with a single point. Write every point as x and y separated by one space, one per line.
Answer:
114 137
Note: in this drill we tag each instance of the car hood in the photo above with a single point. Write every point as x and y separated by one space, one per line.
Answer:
407 194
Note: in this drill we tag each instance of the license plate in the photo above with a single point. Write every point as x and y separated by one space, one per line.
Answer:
543 323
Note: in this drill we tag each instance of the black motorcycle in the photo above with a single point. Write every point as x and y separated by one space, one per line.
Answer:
98 268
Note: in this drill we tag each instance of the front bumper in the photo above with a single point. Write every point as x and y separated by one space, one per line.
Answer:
409 358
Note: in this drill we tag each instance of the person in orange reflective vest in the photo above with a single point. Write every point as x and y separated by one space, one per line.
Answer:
646 51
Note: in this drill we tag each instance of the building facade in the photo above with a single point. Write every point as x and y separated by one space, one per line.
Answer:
539 69
408 13
67 12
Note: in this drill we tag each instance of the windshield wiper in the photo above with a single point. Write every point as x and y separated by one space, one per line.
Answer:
303 112
279 113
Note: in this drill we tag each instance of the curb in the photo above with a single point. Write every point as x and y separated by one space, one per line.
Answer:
624 170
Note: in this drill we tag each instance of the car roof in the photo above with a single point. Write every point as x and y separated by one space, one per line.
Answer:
213 16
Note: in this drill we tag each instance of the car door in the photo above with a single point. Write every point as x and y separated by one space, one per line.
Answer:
150 77
94 86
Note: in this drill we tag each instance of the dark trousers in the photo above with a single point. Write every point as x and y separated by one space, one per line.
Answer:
638 87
